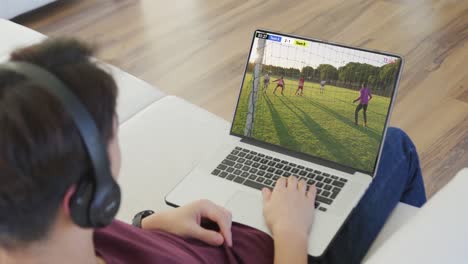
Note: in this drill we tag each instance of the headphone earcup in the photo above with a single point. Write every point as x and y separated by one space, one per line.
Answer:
80 203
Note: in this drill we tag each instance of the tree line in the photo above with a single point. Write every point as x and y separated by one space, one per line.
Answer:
352 75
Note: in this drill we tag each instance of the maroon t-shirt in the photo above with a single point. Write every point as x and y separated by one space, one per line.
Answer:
123 243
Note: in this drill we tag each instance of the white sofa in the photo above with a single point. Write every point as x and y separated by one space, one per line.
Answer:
163 137
12 8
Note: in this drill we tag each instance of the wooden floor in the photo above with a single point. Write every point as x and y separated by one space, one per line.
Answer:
197 50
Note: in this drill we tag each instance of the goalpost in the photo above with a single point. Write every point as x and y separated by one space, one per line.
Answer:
252 104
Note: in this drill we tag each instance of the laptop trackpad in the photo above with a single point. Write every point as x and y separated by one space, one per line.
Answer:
247 209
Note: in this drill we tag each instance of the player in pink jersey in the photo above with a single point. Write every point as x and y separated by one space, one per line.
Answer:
364 98
300 87
280 82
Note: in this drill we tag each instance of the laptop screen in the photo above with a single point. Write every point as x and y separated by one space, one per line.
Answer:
324 100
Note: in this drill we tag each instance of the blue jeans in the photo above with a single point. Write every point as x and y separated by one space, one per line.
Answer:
398 179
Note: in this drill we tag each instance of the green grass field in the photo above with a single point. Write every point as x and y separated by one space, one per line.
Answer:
318 124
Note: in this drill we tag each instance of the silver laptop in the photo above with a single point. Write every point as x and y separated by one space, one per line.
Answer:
309 108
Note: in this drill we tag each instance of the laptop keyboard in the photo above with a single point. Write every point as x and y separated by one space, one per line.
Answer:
257 170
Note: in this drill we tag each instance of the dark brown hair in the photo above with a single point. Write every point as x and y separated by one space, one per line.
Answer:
41 153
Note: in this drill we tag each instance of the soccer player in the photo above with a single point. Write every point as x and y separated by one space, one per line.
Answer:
266 82
300 87
322 86
364 98
280 83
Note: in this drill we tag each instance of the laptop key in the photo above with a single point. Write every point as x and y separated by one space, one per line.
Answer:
284 162
309 169
230 169
300 167
242 154
232 157
245 174
254 185
275 178
311 175
260 179
264 161
317 171
311 182
325 174
325 193
263 167
238 148
257 158
222 166
327 187
250 156
338 183
268 157
286 174
228 162
323 209
276 159
287 168
279 172
271 169
323 199
245 168
223 174
215 172
279 166
256 165
334 177
269 175
303 173
261 173
327 180
245 150
230 176
234 152
261 155
268 182
252 177
336 189
319 184
319 178
239 179
237 172
238 165
343 180
333 195
271 163
241 160
295 170
248 162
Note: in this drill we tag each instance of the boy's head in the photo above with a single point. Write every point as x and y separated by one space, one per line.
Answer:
42 156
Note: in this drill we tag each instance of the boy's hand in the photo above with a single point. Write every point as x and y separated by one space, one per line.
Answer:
185 221
289 208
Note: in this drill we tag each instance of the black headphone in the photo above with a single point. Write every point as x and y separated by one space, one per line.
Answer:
97 198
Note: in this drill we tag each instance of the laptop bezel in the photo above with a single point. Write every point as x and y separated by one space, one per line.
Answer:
305 156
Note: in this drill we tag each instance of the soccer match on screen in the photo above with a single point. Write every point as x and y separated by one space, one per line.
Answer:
321 99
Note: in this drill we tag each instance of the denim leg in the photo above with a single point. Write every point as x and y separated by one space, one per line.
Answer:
398 179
